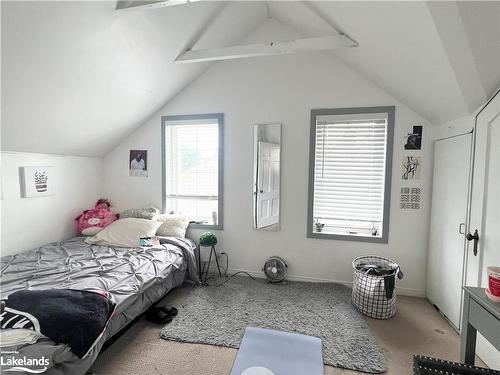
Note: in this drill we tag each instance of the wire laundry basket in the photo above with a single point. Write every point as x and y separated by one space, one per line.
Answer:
373 295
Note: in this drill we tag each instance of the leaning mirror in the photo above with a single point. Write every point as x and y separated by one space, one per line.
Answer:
266 176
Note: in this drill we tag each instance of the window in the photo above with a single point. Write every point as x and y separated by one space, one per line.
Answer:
192 148
350 173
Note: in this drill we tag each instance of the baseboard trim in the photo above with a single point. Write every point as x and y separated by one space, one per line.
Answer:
410 292
259 274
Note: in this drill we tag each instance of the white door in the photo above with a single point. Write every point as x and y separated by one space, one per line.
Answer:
485 209
268 184
446 258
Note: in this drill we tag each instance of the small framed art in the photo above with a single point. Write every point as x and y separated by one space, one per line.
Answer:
37 181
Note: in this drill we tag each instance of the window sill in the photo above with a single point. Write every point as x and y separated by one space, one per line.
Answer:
343 237
206 226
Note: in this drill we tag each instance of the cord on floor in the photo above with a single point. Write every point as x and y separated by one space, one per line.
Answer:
225 271
234 274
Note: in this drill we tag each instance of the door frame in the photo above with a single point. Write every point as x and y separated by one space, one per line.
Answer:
486 114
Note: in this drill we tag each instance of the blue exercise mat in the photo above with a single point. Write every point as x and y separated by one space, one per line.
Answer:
269 352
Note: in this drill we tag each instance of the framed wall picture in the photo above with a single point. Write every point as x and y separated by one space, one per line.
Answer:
413 139
37 181
411 167
410 198
138 163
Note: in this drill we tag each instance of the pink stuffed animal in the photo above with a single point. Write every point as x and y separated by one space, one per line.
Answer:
92 221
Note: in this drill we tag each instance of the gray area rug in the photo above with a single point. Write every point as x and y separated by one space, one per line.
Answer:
218 315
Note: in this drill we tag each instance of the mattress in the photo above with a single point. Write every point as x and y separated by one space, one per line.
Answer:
135 278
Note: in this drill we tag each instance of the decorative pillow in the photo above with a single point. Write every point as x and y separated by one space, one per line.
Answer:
172 225
125 232
150 213
91 221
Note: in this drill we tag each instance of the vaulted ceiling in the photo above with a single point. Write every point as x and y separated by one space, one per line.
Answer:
77 77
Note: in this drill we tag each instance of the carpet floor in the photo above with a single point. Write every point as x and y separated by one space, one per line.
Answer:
218 315
416 328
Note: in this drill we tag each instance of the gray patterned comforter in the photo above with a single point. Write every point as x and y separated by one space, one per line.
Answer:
135 278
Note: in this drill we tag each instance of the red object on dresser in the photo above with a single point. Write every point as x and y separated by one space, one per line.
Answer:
493 290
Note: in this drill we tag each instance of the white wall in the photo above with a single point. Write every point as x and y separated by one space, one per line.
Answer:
459 126
30 222
281 89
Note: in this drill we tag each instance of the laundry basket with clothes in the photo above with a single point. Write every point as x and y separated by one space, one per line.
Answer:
374 282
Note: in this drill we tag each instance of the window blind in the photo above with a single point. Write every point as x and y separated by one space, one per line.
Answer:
349 174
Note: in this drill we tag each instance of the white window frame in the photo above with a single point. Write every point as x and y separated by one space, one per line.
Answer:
185 119
362 111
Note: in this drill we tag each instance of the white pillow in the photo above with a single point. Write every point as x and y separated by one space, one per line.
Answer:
172 225
125 232
91 231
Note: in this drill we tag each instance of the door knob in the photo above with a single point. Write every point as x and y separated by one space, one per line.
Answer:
474 237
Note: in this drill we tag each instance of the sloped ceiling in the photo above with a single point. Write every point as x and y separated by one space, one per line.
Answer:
482 23
77 77
406 49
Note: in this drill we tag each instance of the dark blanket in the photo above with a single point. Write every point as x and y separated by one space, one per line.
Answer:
73 317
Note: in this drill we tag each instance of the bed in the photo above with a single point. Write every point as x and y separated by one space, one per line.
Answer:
135 278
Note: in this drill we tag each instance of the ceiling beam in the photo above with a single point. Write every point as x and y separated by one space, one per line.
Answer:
267 49
122 5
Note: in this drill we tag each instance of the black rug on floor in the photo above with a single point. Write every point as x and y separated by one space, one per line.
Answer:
430 366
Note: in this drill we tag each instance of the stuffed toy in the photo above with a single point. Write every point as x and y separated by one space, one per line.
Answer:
90 222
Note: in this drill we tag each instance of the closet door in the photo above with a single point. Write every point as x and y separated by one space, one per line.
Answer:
446 257
485 210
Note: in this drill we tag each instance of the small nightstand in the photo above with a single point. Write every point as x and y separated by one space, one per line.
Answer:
212 251
479 313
